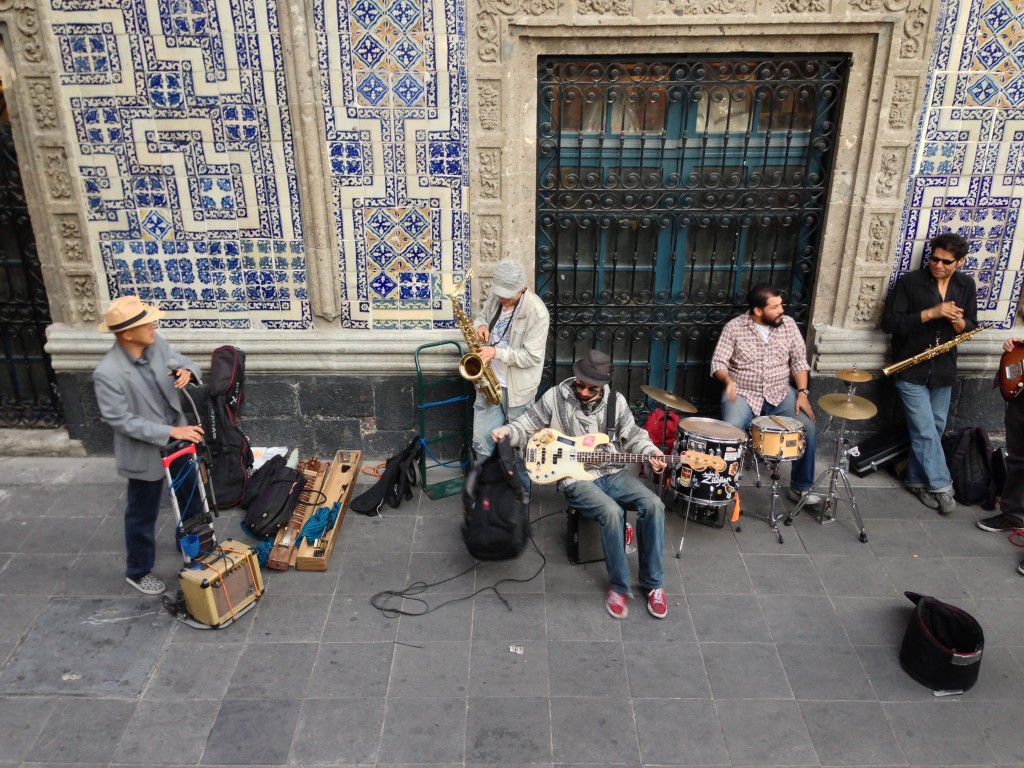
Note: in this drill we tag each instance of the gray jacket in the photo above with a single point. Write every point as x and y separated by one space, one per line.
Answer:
126 404
524 357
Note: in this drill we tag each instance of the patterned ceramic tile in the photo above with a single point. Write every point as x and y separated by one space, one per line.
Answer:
969 158
393 83
185 156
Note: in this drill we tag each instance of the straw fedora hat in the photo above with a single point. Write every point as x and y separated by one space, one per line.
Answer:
127 312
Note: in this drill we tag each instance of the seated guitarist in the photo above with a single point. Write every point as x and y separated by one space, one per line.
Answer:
578 406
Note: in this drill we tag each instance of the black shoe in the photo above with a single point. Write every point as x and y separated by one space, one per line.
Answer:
1020 568
1003 522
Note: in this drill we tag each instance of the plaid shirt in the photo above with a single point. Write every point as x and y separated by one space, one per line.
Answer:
761 369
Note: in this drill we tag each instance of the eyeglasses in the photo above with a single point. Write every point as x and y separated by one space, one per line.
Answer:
947 262
581 387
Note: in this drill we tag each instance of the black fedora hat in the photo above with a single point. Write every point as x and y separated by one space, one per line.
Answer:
942 646
595 367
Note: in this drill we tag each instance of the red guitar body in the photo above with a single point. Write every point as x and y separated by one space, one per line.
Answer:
1011 373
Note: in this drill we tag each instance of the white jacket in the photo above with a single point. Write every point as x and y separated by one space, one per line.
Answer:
527 339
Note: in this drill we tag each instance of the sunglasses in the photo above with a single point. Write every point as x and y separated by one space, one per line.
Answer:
581 387
937 260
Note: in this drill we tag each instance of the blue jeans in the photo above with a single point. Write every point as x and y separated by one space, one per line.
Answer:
488 417
140 514
739 414
599 500
926 411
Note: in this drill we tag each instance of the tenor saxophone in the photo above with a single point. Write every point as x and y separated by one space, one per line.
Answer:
471 366
933 351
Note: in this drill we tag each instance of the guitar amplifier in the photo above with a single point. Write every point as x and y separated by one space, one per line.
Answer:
583 543
218 587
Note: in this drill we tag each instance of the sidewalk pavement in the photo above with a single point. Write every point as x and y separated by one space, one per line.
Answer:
772 654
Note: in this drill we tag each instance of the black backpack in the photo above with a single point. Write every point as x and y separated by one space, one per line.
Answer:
497 511
220 407
396 481
272 496
969 459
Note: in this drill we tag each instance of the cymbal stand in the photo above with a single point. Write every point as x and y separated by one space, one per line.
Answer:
839 470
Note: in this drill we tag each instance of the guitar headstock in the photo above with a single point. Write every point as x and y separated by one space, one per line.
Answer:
702 461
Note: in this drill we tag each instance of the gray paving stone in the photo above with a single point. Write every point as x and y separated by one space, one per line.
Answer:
353 619
588 730
22 719
81 730
272 670
443 622
248 732
194 670
825 672
924 575
873 620
779 574
525 622
351 670
496 670
430 669
391 533
852 733
728 619
14 530
514 731
330 734
1000 727
1004 617
587 669
680 732
19 613
852 575
745 671
88 499
289 618
584 617
666 670
371 572
937 733
424 731
889 681
802 619
900 537
167 731
641 625
33 574
766 733
76 648
988 576
714 574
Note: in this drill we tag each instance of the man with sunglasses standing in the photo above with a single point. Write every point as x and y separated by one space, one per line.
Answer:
579 406
926 307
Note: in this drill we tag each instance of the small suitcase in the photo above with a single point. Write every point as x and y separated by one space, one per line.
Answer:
879 451
583 543
223 585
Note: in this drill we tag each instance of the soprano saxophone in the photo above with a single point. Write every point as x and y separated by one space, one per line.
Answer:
933 351
471 366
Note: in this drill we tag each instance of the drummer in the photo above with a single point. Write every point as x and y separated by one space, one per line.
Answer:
757 355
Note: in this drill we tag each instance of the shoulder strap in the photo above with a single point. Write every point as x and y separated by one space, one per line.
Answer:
494 320
609 412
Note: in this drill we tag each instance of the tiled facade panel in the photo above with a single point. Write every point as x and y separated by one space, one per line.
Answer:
393 82
185 156
968 168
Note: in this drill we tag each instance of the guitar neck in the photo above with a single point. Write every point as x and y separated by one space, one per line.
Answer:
599 457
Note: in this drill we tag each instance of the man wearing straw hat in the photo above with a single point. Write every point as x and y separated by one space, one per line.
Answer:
136 391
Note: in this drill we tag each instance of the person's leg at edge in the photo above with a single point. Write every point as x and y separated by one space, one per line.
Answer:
513 414
736 412
1012 501
936 471
588 498
141 510
631 493
921 425
486 417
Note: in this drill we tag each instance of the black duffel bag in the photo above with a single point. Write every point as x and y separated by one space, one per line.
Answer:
273 492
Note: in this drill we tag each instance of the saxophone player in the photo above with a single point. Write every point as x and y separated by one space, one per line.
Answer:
512 326
928 307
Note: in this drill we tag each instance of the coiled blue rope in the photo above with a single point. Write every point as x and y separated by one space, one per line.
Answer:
320 522
264 544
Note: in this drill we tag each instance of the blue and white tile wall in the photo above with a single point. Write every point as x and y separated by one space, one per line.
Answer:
968 168
185 156
393 83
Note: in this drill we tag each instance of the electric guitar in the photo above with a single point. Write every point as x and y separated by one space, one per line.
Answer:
551 456
1011 373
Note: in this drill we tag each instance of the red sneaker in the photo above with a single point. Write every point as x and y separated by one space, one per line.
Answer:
616 605
656 603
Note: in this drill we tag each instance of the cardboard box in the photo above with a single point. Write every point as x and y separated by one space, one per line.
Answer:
338 485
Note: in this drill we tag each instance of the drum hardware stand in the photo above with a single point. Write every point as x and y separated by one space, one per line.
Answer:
839 470
774 512
843 407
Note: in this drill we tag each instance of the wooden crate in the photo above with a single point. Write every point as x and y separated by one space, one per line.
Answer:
338 486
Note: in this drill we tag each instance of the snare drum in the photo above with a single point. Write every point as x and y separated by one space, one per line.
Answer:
777 437
716 438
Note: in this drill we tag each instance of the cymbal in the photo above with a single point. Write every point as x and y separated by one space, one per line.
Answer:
853 375
855 408
665 397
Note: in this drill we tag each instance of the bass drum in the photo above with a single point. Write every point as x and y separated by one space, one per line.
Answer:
716 438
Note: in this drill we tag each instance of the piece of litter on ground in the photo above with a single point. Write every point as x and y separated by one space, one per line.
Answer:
516 648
